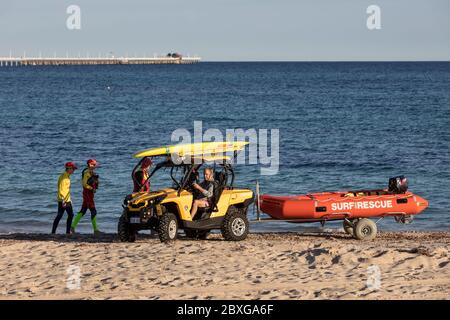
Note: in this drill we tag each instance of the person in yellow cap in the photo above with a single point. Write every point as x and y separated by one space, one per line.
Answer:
64 200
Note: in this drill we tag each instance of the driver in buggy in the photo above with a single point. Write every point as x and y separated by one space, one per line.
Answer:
203 192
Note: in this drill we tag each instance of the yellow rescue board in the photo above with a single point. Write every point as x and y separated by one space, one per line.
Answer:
201 148
211 158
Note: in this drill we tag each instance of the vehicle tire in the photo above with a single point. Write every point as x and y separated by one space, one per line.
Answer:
168 227
348 227
235 225
365 229
123 230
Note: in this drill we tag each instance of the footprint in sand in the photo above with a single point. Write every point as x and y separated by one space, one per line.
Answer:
443 264
104 280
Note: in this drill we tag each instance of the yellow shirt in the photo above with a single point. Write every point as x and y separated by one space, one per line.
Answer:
64 187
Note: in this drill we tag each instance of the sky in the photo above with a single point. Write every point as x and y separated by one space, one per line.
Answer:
230 30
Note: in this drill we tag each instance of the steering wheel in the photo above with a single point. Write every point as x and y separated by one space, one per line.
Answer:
193 178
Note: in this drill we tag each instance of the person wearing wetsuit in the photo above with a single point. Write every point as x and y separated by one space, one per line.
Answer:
64 200
90 186
205 192
140 176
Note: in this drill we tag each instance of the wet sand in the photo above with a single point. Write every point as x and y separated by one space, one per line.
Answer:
396 265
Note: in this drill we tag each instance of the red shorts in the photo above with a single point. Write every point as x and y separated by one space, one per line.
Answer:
88 199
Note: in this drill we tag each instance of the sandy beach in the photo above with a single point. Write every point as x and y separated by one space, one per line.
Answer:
396 265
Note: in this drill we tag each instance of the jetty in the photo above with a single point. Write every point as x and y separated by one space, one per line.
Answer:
59 61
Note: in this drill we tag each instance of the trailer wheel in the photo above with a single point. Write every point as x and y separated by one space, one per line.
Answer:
365 229
348 227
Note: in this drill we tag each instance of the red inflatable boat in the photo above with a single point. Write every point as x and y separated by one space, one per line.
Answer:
350 206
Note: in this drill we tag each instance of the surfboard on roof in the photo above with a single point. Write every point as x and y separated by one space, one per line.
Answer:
193 149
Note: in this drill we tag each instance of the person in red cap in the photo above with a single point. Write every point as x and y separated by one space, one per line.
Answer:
141 179
64 200
89 181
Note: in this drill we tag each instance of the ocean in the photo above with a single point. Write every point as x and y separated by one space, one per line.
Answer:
341 126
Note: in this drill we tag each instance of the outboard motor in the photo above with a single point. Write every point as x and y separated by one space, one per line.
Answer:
398 184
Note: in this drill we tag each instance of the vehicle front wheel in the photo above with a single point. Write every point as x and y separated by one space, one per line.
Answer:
235 226
167 227
365 229
124 230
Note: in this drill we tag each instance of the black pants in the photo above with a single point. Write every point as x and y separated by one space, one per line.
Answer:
61 210
92 210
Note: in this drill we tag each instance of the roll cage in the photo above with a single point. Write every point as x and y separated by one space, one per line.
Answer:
189 170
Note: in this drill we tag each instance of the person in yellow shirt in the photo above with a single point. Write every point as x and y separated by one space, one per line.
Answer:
89 182
64 201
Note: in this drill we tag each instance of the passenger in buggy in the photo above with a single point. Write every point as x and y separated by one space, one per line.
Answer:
205 192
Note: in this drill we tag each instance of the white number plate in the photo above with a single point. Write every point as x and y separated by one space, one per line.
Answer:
135 220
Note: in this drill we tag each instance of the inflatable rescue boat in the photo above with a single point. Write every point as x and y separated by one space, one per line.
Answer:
350 206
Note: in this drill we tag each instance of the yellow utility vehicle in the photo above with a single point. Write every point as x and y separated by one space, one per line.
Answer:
167 210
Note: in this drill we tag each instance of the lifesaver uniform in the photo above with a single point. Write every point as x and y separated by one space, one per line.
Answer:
141 181
89 181
90 184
